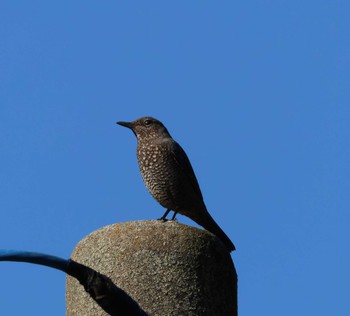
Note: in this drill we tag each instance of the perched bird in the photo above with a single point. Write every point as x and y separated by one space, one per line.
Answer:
168 175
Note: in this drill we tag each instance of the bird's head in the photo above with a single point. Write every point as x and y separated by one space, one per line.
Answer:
147 128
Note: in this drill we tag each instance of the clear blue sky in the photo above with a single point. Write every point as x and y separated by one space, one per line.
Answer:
257 93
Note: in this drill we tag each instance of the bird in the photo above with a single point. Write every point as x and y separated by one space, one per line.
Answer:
169 177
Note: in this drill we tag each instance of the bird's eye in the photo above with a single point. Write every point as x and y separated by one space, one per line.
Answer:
147 122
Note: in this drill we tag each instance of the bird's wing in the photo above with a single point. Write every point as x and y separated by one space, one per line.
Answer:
183 162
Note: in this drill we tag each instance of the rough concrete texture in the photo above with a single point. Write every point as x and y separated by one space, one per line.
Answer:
167 267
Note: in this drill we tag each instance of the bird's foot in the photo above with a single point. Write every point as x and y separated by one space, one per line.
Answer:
174 217
163 218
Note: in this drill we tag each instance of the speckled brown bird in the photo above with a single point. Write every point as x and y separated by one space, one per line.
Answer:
168 175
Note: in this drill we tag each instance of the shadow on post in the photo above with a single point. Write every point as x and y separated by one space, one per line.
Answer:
111 298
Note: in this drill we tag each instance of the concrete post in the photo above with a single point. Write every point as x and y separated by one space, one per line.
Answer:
170 269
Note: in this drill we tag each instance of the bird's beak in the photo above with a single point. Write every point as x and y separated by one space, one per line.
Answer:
126 124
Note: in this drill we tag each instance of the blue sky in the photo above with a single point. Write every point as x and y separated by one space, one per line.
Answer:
256 92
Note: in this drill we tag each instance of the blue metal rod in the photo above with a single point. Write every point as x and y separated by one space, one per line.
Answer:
34 257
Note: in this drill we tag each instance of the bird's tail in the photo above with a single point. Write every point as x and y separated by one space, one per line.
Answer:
206 221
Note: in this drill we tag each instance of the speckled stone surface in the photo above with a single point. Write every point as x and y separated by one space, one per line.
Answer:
167 267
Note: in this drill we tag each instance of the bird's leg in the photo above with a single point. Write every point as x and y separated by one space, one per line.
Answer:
174 216
163 218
